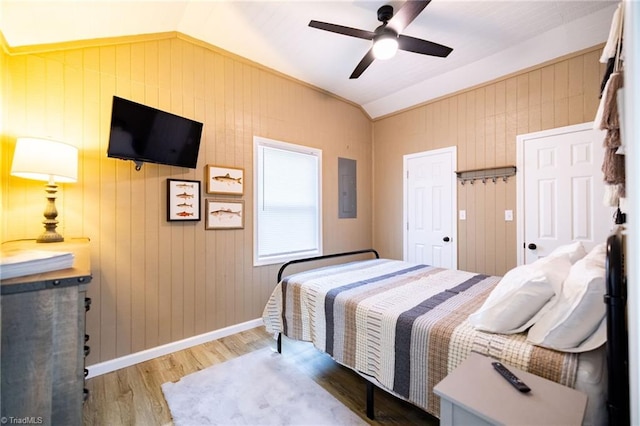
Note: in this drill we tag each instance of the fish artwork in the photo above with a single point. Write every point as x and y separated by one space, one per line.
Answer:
225 212
228 179
184 214
184 195
184 185
184 205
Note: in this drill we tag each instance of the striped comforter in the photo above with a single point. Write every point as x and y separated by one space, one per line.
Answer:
405 325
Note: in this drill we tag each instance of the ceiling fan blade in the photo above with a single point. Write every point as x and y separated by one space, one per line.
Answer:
407 13
424 47
348 31
363 65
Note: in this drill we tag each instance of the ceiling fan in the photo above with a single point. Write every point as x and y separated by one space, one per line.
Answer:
387 38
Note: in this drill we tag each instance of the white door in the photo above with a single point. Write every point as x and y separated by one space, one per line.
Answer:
430 235
560 190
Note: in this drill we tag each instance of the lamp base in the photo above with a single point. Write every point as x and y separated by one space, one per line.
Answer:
50 237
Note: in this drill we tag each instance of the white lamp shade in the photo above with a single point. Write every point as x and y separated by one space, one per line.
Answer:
43 159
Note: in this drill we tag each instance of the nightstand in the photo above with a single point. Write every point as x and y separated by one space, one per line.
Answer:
43 339
474 393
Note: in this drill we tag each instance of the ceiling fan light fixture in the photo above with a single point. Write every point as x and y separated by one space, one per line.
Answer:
385 46
387 38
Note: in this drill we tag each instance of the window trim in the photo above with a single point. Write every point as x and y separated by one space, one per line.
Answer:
259 141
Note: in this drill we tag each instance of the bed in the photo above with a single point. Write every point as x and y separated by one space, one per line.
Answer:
404 327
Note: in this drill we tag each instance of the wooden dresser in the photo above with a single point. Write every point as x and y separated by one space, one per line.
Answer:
43 339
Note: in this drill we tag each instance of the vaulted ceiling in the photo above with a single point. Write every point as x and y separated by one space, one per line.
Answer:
489 38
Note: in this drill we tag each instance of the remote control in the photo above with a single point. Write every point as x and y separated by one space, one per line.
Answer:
510 377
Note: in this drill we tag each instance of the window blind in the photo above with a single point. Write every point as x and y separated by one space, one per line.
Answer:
287 202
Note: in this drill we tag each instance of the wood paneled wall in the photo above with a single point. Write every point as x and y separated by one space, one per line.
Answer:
157 282
483 124
4 161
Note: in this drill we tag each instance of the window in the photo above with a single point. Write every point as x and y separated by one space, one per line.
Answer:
287 200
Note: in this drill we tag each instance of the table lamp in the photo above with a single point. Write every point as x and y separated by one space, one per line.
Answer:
50 161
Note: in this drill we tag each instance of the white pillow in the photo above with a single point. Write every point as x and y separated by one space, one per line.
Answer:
598 254
575 250
574 322
518 299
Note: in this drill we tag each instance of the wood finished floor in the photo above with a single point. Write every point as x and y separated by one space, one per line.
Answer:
132 395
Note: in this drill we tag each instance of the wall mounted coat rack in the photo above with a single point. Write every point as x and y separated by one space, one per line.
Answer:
492 174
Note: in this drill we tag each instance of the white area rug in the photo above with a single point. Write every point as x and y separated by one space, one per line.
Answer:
259 388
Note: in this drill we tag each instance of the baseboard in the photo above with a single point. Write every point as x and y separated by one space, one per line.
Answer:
138 357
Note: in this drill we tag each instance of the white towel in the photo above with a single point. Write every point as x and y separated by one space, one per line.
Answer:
611 46
597 122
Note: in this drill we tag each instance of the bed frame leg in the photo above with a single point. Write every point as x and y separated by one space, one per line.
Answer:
370 389
279 343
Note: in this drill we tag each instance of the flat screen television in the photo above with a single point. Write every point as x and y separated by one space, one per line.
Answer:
144 134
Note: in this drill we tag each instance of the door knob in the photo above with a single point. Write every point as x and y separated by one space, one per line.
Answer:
446 239
532 246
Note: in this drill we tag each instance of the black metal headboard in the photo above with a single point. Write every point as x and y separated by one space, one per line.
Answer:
326 256
617 335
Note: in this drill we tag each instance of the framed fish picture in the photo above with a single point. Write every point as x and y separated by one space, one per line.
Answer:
224 214
224 180
183 200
